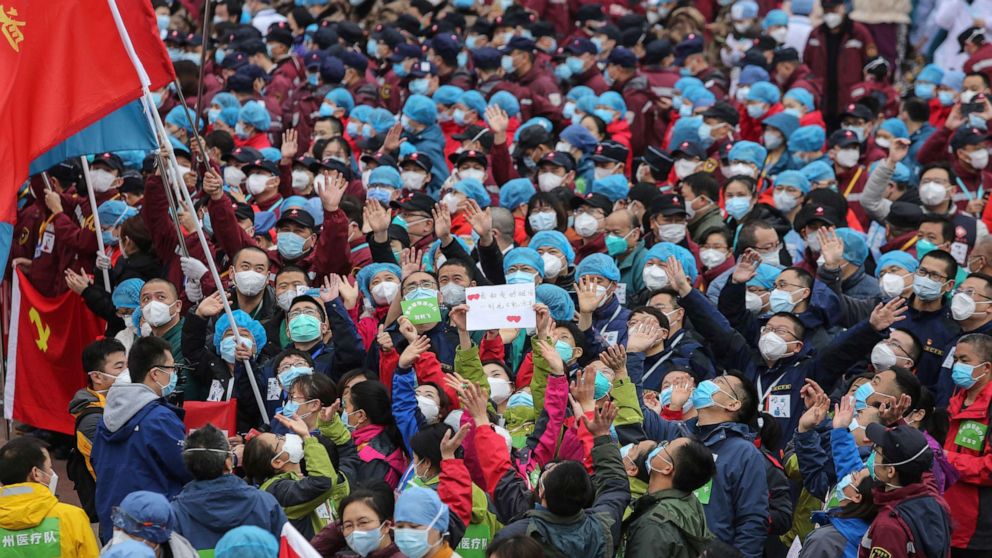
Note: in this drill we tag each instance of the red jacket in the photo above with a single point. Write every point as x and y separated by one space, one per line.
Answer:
981 61
938 113
850 183
888 534
866 88
972 492
814 118
751 129
856 47
935 150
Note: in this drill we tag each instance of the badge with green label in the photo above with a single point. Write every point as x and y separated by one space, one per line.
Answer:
971 435
421 310
704 492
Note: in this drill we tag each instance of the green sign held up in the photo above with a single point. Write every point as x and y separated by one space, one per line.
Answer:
421 310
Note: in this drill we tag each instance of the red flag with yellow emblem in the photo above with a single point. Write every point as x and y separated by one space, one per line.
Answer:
47 336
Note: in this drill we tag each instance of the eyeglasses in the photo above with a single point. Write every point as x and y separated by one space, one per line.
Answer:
921 272
782 285
777 331
970 291
304 312
594 211
733 392
425 284
769 247
892 344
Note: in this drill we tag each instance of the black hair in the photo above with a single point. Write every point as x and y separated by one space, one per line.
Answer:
942 165
747 394
372 397
654 313
580 340
550 200
744 179
917 109
468 266
19 456
599 124
444 402
249 249
746 237
292 351
865 509
908 383
257 461
694 466
206 465
377 495
982 344
220 139
946 225
724 232
355 373
317 386
137 232
800 328
290 269
950 264
352 208
804 276
146 353
769 432
519 546
980 75
427 443
308 299
917 349
95 354
567 488
703 184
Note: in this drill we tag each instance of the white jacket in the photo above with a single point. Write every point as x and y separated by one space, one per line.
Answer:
955 16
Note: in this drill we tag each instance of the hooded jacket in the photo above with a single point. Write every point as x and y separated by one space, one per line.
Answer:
902 514
207 509
139 445
667 523
31 509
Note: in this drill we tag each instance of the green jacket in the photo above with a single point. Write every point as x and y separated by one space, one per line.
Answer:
711 220
632 268
625 398
306 497
668 523
469 365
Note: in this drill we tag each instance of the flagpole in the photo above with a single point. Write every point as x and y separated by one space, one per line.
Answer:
166 182
160 128
96 219
203 56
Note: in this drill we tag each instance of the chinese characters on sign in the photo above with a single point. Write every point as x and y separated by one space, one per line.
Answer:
421 310
500 306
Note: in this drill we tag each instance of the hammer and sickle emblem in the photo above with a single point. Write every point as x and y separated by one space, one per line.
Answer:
43 330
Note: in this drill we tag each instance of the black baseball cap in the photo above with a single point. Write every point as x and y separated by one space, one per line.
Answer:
610 152
416 201
263 164
245 154
598 201
558 159
843 138
813 212
967 135
689 149
297 215
111 160
658 159
905 215
901 444
418 159
477 133
459 157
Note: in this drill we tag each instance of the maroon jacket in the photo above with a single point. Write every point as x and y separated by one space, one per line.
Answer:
981 61
856 47
538 83
850 183
865 88
642 103
661 80
804 78
934 150
889 533
593 79
555 11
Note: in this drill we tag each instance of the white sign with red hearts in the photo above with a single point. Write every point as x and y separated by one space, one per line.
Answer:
500 306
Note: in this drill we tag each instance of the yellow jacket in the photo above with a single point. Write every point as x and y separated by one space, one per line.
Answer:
33 522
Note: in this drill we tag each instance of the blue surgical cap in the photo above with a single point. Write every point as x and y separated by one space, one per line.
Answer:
254 113
557 300
578 92
775 17
127 293
474 101
474 190
662 250
229 116
783 122
367 273
614 187
931 73
807 138
793 178
515 193
506 101
765 92
587 104
128 549
752 74
744 9
685 129
553 239
801 95
431 255
178 117
613 100
900 175
225 100
361 113
421 506
598 264
114 212
700 97
953 79
420 109
895 127
447 95
802 7
765 277
686 82
385 176
271 154
523 256
855 246
579 137
381 120
247 541
818 171
341 98
896 257
243 320
748 151
145 514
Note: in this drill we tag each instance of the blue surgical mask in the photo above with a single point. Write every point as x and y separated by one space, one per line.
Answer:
364 542
926 288
312 79
568 110
459 117
420 86
599 44
781 301
946 98
227 347
419 293
738 207
870 464
562 73
702 396
219 56
379 194
685 110
605 115
412 542
170 387
862 394
924 90
574 64
108 238
844 482
961 374
289 409
794 112
756 110
462 59
162 21
400 70
287 377
290 245
353 129
372 48
212 115
924 247
976 121
506 62
565 351
519 277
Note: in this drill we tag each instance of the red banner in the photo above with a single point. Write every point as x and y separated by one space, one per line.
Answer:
222 414
46 343
64 66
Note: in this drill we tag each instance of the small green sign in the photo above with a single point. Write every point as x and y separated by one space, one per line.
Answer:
971 435
704 492
40 541
474 542
421 310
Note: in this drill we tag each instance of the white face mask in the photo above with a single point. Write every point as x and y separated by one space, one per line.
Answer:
249 283
413 180
385 292
741 168
685 167
477 174
454 294
256 184
552 265
772 346
654 277
882 356
300 179
967 95
499 390
156 313
602 172
586 225
932 193
979 159
101 180
772 140
233 176
543 220
784 201
548 181
891 284
753 303
847 158
833 19
673 233
428 408
712 257
779 34
450 201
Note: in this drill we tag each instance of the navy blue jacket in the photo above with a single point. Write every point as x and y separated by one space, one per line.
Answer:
822 313
608 321
936 332
430 142
682 351
205 510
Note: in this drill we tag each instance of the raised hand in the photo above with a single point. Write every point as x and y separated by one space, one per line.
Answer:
815 414
810 392
407 330
347 291
333 190
831 247
411 261
451 442
459 316
747 266
544 322
551 355
329 290
294 424
497 119
394 137
589 297
844 412
376 217
331 412
210 306
653 402
473 401
413 351
888 313
77 282
384 339
676 275
616 358
289 145
243 351
891 411
193 269
583 390
681 392
898 151
642 336
602 421
442 224
481 221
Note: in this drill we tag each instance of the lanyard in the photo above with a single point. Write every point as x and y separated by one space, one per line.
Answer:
766 393
44 226
967 193
909 243
610 321
666 356
854 180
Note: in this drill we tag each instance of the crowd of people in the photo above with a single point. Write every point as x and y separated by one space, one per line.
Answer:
759 240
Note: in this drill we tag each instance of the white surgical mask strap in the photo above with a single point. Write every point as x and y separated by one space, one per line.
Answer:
919 453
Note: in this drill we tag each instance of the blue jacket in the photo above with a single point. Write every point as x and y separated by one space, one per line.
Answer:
344 352
916 141
430 142
138 446
444 340
936 332
409 419
861 285
737 512
820 470
205 510
851 528
608 321
683 351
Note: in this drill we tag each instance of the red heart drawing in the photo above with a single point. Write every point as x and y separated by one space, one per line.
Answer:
474 297
513 319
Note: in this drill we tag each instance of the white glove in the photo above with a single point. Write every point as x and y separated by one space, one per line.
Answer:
192 268
193 290
102 261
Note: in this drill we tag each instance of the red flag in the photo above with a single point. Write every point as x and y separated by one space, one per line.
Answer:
64 66
44 370
292 544
221 414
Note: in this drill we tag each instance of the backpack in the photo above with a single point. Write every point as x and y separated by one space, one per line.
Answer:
930 526
535 532
79 472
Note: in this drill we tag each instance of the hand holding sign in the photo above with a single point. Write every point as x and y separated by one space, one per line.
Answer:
500 306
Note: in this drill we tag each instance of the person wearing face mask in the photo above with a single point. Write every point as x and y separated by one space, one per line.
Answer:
580 67
558 257
901 458
514 197
790 189
681 348
103 361
746 158
623 242
964 447
263 183
715 253
695 64
969 160
777 128
844 150
420 128
806 147
589 222
146 518
689 158
612 110
970 310
610 158
324 329
600 311
139 426
556 170
702 194
842 259
364 526
252 127
762 101
28 499
415 172
367 413
837 51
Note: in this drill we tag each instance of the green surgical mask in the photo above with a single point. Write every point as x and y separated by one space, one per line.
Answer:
304 328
